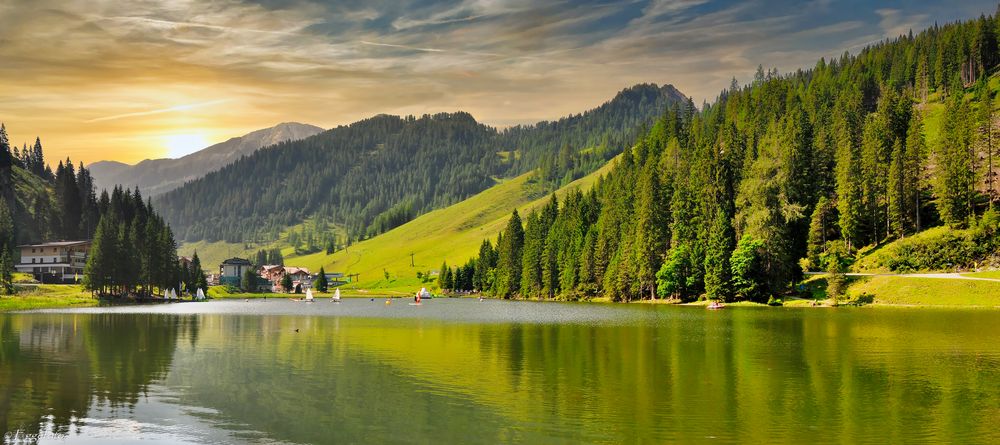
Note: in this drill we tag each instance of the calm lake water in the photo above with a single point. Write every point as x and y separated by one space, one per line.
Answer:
462 371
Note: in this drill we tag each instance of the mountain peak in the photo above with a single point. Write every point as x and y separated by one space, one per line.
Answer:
156 176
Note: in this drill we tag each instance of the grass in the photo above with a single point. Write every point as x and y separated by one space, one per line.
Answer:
451 234
47 296
995 274
927 291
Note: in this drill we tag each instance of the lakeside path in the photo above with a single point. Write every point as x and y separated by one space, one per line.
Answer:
949 275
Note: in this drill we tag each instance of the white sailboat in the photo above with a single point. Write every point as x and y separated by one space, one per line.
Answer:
200 295
336 296
309 295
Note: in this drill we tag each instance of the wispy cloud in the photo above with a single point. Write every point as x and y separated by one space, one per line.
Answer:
172 109
329 63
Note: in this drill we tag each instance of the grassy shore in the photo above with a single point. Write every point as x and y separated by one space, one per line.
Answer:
909 291
47 296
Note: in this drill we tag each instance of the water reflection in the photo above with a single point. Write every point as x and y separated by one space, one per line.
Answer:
612 375
55 369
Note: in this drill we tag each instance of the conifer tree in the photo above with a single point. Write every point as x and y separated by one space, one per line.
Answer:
954 177
720 247
321 283
509 264
650 234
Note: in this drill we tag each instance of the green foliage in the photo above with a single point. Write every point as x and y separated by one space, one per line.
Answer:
718 271
678 277
248 283
510 246
286 283
133 250
940 249
7 234
747 263
321 282
836 260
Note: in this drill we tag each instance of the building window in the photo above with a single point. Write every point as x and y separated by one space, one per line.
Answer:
32 261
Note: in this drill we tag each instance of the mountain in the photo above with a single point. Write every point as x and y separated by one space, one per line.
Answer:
452 234
378 173
812 170
158 176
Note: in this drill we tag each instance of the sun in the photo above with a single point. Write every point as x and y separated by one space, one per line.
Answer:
182 144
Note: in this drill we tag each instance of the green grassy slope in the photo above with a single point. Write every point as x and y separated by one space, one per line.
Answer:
451 234
928 291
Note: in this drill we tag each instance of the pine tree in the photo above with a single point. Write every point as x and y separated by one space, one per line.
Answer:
764 211
248 283
650 233
443 279
321 283
509 263
7 237
720 248
954 177
914 178
821 229
848 170
531 258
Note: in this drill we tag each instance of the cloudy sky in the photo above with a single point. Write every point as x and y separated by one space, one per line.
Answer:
100 79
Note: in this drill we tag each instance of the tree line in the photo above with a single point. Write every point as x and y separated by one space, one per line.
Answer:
133 250
791 172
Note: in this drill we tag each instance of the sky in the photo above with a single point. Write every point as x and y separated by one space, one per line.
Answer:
131 80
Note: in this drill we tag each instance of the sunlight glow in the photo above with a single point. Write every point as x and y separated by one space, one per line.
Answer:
182 144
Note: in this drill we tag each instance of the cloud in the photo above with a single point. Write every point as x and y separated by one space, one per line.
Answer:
329 63
895 23
172 109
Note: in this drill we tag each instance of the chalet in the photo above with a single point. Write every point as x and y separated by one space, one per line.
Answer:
301 279
231 271
54 262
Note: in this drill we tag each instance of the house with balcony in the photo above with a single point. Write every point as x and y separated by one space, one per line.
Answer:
54 262
231 271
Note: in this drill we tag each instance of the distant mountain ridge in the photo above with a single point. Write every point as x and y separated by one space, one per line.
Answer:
158 176
378 173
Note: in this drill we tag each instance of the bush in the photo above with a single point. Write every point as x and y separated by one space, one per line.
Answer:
771 301
862 299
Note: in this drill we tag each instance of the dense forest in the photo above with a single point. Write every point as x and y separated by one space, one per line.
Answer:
134 250
378 173
791 172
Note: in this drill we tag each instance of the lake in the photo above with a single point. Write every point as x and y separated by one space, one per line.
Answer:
463 371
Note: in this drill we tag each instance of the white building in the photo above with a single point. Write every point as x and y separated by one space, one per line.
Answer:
55 262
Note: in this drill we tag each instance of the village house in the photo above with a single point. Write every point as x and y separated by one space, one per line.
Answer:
231 271
301 279
54 262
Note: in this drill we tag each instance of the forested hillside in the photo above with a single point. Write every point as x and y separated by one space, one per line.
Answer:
790 171
134 250
381 172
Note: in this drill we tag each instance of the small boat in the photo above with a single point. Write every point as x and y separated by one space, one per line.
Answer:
336 296
309 295
715 305
200 295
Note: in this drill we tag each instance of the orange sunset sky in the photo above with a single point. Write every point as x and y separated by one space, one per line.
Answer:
144 79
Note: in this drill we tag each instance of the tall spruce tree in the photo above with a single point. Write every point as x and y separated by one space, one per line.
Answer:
509 253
